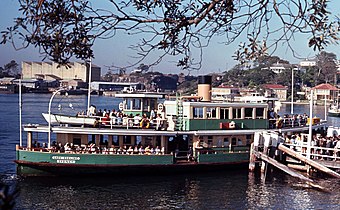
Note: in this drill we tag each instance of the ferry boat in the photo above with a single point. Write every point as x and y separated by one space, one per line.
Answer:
334 110
149 134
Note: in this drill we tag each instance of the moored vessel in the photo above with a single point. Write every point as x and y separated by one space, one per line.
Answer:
334 111
149 134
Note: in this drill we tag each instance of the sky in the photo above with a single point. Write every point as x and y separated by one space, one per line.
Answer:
217 57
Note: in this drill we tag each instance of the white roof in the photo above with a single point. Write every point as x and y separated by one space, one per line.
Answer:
257 99
139 95
218 104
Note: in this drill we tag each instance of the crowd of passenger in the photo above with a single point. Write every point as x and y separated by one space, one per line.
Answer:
92 148
287 120
322 147
115 117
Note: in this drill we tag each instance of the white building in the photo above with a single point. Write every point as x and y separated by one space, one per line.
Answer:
279 67
51 70
307 63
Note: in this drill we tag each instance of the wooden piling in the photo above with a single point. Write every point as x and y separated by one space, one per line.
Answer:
252 158
281 166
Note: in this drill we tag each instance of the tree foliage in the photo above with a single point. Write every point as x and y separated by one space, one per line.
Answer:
62 29
327 67
10 69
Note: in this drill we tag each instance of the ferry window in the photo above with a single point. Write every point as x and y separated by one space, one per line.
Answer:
198 112
226 142
210 140
153 104
127 140
128 104
219 142
115 140
145 104
224 113
237 113
138 140
158 141
136 104
248 113
259 113
211 112
239 142
76 140
148 140
93 138
233 141
248 139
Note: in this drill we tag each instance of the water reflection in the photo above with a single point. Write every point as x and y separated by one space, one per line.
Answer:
213 191
293 193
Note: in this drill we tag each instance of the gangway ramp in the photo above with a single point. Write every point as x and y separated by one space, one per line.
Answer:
286 169
308 161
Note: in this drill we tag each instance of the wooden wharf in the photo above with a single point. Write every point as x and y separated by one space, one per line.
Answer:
268 148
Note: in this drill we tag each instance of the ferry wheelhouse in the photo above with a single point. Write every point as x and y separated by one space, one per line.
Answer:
170 136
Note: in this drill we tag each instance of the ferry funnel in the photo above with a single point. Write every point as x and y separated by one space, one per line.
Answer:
204 87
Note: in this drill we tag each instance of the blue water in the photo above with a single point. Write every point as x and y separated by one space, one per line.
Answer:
220 190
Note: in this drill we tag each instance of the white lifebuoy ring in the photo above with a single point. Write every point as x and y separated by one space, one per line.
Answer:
121 106
160 107
232 124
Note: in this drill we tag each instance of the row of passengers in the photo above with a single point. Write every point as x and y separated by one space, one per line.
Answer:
324 144
137 120
288 120
114 113
148 150
92 148
118 118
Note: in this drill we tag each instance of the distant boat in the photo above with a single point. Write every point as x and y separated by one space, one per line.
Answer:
334 110
8 88
71 120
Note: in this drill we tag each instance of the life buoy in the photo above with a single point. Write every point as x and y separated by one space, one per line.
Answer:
160 107
121 106
95 124
232 124
144 123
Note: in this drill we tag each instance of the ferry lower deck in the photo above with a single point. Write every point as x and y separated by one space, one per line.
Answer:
89 151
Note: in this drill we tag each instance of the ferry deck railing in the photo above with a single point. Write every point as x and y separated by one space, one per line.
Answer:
128 122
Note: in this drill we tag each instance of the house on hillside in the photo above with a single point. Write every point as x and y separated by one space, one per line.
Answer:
307 63
327 91
274 90
278 68
224 93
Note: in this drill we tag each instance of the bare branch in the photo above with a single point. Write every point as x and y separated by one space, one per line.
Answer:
62 29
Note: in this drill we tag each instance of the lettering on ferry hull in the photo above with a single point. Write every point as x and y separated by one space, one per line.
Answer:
65 159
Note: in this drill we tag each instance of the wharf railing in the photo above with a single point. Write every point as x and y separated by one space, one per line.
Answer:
317 152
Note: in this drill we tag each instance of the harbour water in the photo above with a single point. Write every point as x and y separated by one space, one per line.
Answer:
220 190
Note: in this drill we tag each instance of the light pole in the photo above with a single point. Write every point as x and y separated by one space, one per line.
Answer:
89 88
310 124
292 95
20 112
49 115
325 107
